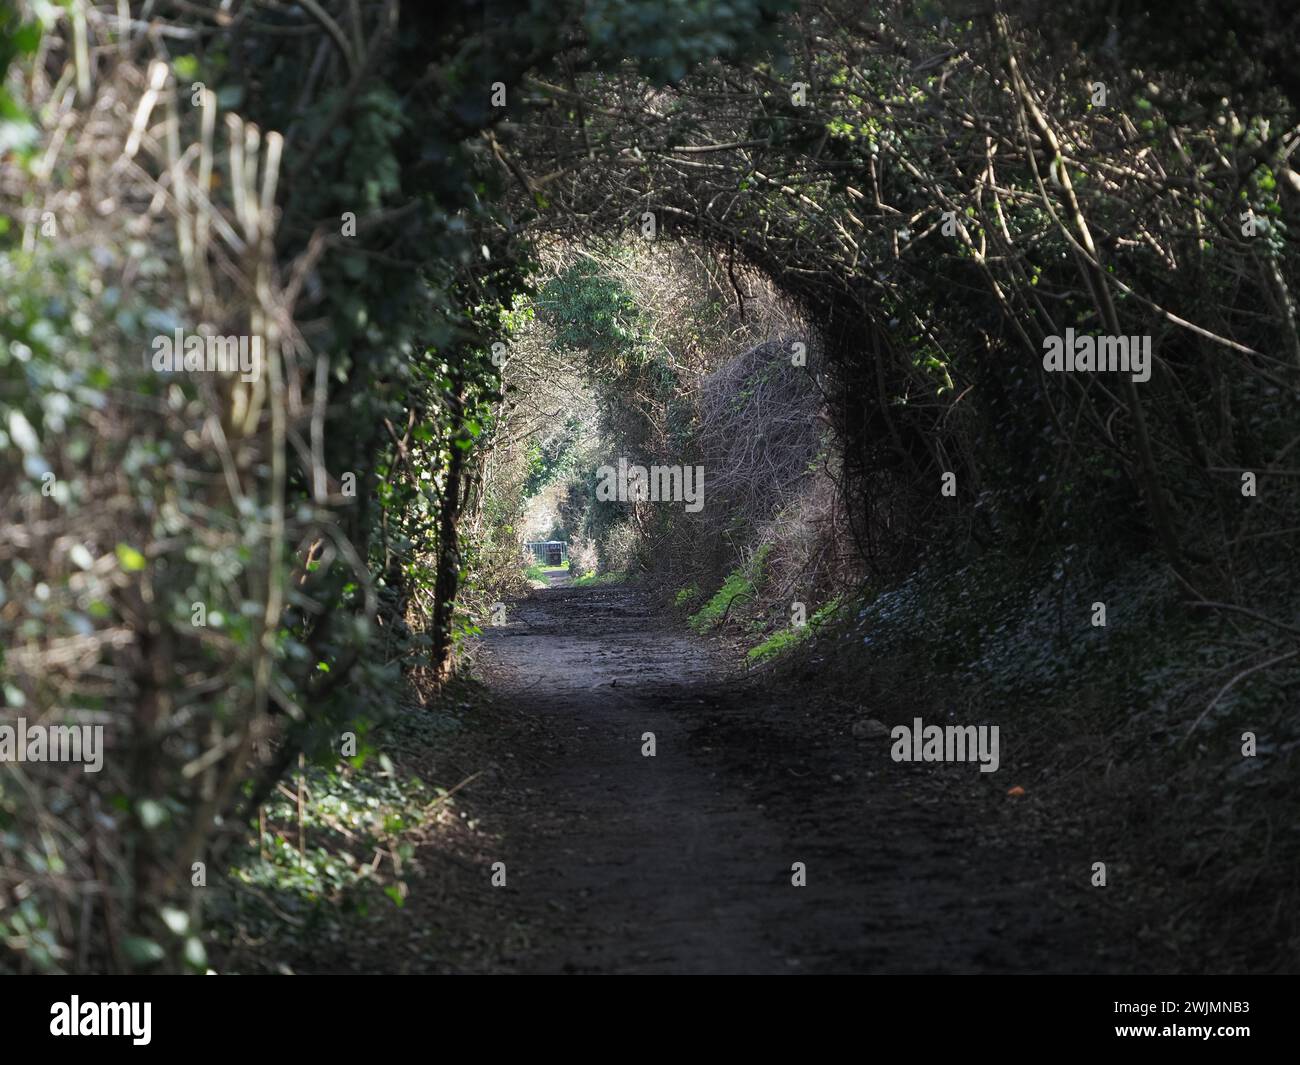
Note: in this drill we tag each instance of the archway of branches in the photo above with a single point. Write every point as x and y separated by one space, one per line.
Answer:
234 573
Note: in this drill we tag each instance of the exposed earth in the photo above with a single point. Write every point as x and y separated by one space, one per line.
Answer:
683 862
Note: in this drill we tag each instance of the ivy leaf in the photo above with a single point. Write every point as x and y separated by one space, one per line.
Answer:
130 559
142 952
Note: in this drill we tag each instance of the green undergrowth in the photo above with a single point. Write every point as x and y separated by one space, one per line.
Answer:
686 595
784 640
741 586
362 817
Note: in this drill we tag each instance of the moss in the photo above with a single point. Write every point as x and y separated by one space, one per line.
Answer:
743 582
781 641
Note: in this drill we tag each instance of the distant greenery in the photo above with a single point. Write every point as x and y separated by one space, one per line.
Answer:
593 312
539 571
589 579
553 457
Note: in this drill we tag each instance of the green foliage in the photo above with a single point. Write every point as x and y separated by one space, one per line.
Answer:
353 814
777 644
18 39
926 367
741 584
588 580
783 640
592 312
553 457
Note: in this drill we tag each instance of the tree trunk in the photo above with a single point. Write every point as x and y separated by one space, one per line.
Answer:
447 581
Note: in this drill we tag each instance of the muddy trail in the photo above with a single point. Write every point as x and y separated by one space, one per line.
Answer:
618 862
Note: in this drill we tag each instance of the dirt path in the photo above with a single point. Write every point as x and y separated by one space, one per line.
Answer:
681 862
